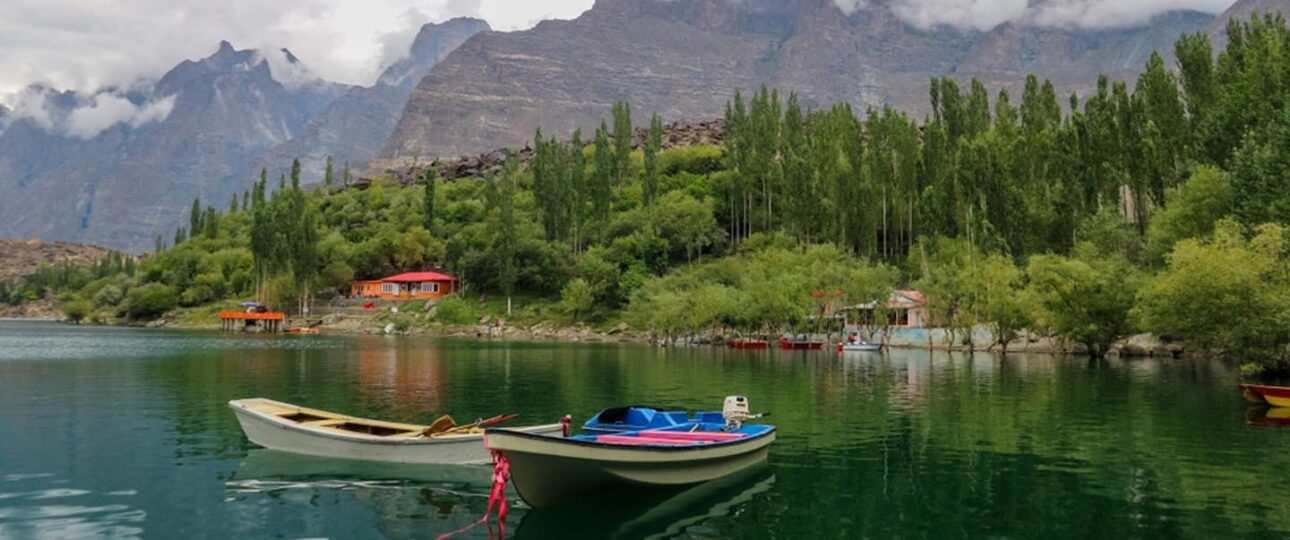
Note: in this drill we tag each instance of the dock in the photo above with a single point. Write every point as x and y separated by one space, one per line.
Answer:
237 321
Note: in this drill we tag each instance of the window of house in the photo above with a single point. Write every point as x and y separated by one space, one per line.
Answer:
432 287
388 288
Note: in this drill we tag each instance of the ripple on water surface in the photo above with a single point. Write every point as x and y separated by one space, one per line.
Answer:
112 432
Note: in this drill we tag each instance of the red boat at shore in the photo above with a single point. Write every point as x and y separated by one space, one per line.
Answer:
748 344
800 344
1276 396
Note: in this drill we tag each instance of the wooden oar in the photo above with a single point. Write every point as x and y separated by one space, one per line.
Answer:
482 423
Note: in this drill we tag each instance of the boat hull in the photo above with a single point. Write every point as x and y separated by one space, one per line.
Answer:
1276 396
547 470
800 345
859 347
268 432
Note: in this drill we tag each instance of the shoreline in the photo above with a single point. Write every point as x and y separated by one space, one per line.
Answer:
1134 346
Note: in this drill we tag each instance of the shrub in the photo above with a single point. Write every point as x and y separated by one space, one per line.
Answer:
695 158
577 298
455 310
150 301
108 297
76 309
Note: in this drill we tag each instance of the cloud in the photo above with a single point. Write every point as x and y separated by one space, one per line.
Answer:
396 45
32 104
977 14
984 15
89 44
291 73
86 117
1114 13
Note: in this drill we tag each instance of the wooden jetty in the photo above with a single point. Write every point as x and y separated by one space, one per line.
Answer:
236 321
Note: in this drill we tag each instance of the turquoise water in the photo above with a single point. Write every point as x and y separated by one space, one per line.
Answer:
109 432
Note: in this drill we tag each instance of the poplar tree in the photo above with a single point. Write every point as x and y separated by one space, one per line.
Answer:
210 222
327 172
431 176
295 173
506 234
601 188
623 135
576 169
195 217
649 182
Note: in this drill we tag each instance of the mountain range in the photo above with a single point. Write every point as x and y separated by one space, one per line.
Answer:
121 165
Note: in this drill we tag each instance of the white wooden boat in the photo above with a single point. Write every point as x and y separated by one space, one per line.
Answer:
859 346
289 428
550 470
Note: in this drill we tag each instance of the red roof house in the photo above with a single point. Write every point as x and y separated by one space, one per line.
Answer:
406 286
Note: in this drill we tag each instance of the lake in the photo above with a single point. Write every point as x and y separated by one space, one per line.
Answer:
113 432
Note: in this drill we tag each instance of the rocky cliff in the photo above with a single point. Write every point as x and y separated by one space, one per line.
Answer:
684 58
356 125
21 258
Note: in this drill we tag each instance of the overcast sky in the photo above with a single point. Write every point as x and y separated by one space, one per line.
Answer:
87 44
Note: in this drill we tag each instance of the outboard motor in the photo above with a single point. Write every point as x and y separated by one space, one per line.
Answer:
735 411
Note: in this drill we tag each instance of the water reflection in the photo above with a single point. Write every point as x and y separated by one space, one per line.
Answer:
265 470
43 505
128 430
1262 415
651 513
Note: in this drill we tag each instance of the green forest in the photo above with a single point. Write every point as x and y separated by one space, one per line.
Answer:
1158 205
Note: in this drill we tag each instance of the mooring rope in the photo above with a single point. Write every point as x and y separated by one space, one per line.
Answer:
501 475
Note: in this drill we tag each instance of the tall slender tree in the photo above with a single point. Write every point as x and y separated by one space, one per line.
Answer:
649 181
431 177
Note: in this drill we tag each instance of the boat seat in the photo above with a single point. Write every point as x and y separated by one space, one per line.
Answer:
269 408
641 441
698 436
324 423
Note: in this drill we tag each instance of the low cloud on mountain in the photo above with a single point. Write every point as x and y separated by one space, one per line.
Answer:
89 44
86 117
986 14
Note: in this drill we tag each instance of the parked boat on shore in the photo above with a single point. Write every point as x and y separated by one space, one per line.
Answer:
859 346
289 428
800 344
1276 396
548 470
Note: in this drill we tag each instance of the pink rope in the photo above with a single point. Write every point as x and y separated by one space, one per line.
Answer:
501 474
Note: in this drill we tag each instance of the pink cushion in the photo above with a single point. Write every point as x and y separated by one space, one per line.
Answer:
623 439
693 436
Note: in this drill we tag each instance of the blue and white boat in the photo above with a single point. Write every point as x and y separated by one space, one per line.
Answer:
633 447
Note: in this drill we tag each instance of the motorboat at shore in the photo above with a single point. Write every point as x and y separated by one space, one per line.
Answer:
859 346
290 428
549 470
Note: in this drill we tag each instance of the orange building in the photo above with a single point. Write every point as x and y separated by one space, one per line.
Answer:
408 286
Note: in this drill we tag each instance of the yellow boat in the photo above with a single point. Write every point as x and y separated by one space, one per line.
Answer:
1276 396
